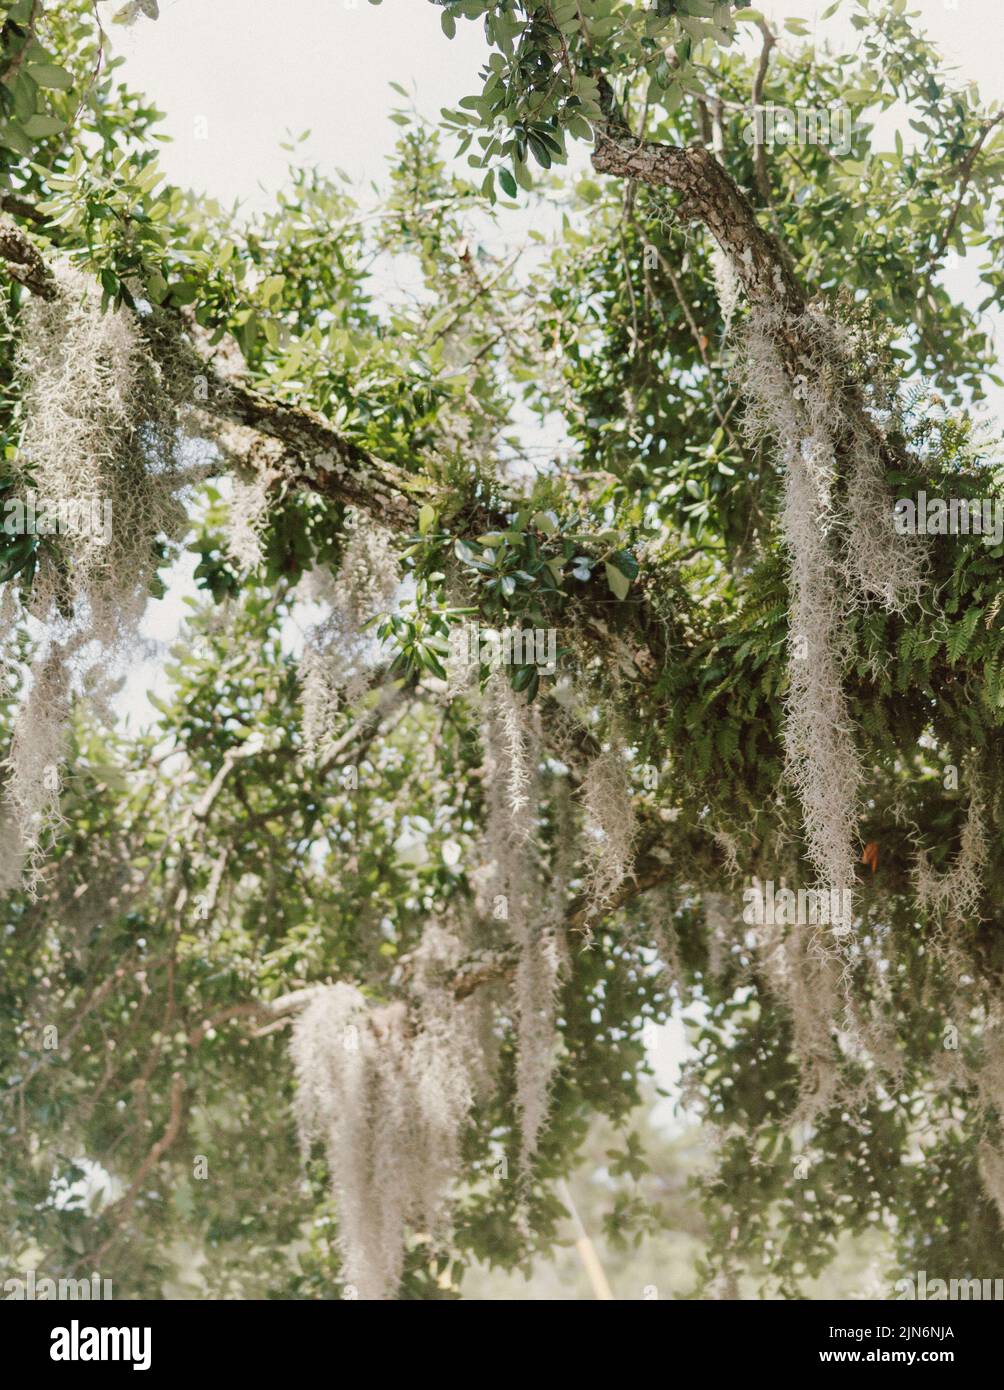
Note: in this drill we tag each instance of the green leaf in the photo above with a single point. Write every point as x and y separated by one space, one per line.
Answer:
626 563
25 97
271 288
426 519
185 292
540 151
619 583
40 126
508 183
14 138
51 76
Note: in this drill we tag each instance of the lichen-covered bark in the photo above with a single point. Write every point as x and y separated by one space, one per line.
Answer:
315 456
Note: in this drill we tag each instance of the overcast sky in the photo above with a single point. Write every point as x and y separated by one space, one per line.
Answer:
234 76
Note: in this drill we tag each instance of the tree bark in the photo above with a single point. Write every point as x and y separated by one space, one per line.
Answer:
314 455
711 196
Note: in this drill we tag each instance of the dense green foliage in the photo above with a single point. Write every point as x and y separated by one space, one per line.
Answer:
210 866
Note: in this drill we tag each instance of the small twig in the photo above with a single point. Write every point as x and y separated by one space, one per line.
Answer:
759 150
966 170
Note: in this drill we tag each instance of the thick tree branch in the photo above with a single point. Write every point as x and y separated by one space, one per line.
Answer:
25 263
291 445
311 453
19 207
314 455
708 195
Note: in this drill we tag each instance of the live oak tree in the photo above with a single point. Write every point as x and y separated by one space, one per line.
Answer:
408 902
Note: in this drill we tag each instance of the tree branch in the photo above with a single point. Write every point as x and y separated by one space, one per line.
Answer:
316 456
118 1213
24 261
759 150
966 172
311 454
711 196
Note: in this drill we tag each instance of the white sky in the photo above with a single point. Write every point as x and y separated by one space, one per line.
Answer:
234 72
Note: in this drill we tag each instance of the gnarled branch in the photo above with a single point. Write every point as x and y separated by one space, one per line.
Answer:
711 196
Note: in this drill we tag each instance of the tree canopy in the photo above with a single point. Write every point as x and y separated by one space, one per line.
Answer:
544 615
